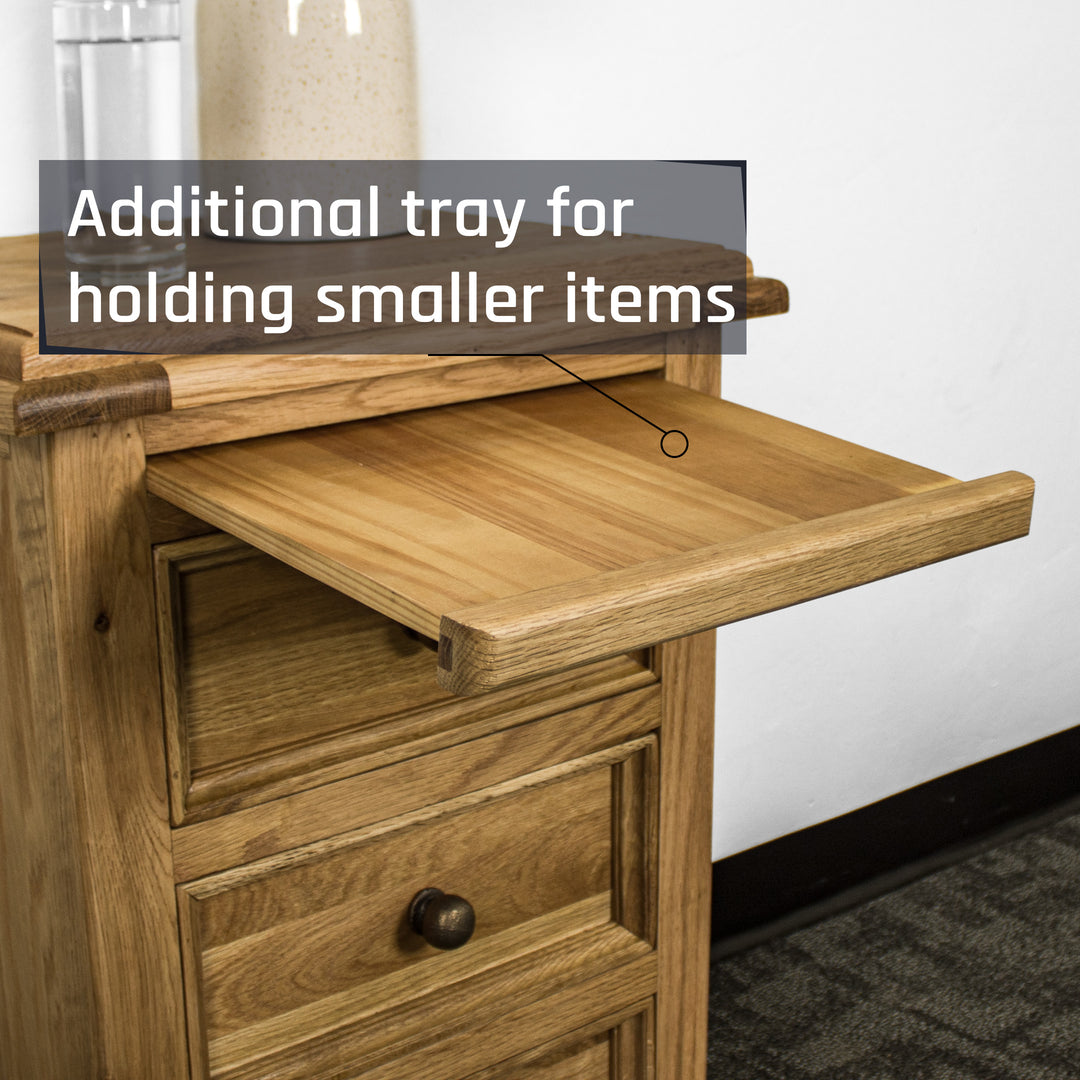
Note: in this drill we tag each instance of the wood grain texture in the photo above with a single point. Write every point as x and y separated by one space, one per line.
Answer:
391 1025
319 931
446 384
245 639
560 625
517 451
46 976
8 390
519 523
636 814
110 693
169 523
297 768
78 400
762 458
765 296
688 671
18 347
693 359
265 869
18 304
587 1058
616 1047
634 1045
257 832
687 667
191 950
576 1006
91 686
528 989
200 381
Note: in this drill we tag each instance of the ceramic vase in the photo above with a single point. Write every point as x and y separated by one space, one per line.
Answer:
306 80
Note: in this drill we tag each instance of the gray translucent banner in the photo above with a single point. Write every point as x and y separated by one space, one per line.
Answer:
471 257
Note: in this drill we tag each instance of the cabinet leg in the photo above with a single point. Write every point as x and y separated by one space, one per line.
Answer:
688 676
89 956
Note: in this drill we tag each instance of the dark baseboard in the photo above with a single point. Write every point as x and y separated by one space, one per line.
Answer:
796 879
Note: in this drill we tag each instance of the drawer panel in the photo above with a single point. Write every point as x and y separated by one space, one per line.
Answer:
308 956
612 1049
588 1060
274 682
206 847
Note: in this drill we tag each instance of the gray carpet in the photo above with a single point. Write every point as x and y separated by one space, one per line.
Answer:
972 973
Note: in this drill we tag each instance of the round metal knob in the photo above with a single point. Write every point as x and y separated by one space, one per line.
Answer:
442 919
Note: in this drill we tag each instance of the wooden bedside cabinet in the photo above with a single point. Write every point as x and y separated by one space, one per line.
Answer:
321 780
357 712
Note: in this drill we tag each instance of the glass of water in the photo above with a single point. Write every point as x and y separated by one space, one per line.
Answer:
118 70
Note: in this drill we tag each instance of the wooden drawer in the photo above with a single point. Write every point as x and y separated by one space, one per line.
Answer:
274 682
302 966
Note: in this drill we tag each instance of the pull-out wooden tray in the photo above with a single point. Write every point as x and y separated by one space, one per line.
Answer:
536 532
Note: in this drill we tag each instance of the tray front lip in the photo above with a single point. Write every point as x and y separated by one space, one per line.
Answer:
560 626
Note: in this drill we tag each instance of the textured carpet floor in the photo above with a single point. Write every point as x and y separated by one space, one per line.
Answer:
972 973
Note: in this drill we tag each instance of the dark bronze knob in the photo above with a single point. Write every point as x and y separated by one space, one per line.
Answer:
442 919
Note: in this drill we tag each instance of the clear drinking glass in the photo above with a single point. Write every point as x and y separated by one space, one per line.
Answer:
118 77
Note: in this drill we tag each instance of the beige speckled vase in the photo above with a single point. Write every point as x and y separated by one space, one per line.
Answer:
306 80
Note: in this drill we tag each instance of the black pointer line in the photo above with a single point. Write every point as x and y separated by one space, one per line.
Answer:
663 432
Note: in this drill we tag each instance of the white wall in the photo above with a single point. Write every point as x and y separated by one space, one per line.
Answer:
911 177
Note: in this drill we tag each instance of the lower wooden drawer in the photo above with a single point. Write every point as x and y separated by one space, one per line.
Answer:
303 966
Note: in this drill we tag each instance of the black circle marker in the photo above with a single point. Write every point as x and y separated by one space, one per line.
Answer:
674 443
